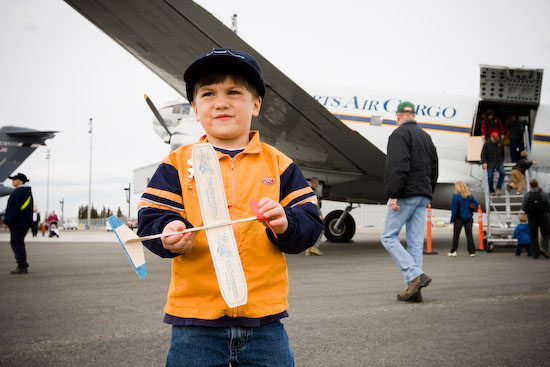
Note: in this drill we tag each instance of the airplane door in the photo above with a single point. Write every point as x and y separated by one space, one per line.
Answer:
507 92
510 86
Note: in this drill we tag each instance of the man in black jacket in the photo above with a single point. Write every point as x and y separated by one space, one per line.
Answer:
492 158
19 219
410 176
536 205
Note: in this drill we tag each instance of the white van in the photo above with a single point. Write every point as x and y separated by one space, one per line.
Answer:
70 224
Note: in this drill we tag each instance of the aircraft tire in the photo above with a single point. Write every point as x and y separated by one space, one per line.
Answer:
345 234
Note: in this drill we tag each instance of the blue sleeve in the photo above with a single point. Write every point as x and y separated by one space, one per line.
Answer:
160 204
475 201
9 210
516 232
304 228
304 224
152 221
454 208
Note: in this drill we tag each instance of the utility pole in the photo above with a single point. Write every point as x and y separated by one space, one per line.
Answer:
90 181
48 183
128 198
62 202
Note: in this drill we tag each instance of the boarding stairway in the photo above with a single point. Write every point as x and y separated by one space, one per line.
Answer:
503 210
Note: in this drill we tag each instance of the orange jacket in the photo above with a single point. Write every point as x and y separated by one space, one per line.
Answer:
254 173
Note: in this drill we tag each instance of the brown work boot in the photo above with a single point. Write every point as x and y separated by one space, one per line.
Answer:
315 251
308 252
416 297
415 285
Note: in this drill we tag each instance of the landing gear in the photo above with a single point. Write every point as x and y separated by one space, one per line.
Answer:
340 225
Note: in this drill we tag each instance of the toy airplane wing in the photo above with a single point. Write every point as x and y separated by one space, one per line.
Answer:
134 250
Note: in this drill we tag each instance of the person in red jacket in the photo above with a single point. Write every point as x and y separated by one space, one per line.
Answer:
491 124
53 222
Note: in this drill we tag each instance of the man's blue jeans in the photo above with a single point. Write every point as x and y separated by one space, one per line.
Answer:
202 346
490 175
413 215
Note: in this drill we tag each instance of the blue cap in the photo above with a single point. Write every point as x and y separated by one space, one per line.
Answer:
218 58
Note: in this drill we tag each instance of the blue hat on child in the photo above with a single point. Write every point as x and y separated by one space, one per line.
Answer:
221 57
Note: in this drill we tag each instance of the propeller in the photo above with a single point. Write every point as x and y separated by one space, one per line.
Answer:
157 115
260 216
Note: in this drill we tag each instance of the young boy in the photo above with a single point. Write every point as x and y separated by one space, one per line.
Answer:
518 173
226 89
523 235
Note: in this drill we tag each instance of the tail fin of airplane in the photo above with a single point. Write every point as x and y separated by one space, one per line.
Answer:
134 250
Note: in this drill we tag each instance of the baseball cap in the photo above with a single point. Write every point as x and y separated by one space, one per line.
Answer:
405 106
494 133
19 176
220 58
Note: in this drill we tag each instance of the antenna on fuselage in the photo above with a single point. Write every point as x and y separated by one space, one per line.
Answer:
234 23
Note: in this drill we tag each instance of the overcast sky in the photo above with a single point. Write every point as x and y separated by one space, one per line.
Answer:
57 71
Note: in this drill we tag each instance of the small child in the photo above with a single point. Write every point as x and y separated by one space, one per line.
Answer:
54 231
523 235
226 89
43 228
518 173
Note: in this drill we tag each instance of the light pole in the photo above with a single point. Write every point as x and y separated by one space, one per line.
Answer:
128 197
48 183
90 180
62 202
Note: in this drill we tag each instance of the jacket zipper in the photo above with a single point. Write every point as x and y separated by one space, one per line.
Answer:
233 208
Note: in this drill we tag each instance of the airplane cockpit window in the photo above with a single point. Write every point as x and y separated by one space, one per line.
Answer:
182 109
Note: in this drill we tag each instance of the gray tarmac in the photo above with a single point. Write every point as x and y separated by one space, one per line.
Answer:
83 305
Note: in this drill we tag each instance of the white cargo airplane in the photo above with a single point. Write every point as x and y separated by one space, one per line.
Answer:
339 136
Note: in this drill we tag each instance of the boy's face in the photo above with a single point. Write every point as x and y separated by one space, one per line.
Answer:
225 112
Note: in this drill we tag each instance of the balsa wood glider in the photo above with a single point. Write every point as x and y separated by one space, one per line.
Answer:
217 224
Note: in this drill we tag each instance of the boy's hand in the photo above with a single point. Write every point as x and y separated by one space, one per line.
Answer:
178 243
274 214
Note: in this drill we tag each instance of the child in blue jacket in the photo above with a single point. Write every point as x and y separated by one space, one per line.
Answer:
523 235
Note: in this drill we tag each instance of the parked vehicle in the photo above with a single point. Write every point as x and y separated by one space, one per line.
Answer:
71 224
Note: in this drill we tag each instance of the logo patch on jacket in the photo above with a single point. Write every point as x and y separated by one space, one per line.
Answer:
269 181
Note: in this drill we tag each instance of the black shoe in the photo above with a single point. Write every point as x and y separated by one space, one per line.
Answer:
20 270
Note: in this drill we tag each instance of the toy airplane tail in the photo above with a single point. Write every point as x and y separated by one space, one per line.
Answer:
133 250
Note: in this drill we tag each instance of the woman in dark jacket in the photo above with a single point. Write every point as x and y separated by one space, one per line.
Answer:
462 207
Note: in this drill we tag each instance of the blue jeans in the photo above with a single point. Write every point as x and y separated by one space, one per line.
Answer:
413 215
490 174
203 346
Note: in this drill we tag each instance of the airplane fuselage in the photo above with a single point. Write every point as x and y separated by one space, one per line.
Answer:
450 121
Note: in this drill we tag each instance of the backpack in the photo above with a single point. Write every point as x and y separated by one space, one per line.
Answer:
535 204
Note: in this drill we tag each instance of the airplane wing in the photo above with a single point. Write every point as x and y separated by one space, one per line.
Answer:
168 35
16 144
